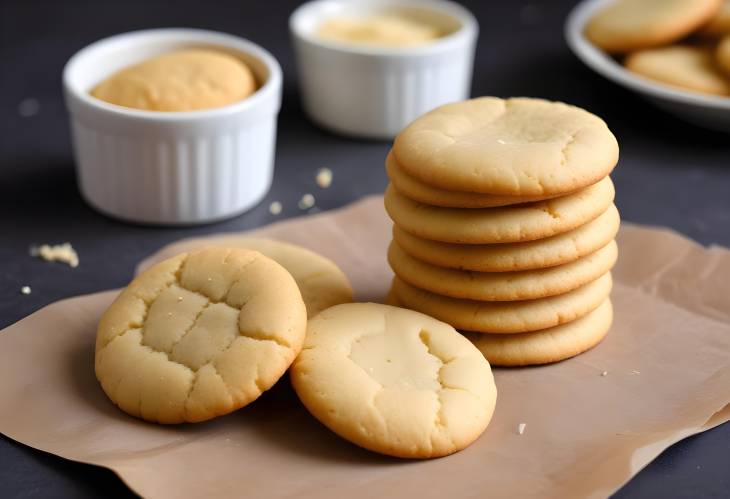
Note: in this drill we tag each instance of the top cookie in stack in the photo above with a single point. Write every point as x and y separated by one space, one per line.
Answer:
504 225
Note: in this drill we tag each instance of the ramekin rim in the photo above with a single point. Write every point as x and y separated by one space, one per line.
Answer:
273 83
469 28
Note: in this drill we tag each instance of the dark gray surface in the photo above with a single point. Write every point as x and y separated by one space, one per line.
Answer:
670 174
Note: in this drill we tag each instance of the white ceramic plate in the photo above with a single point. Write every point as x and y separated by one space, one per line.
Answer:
704 110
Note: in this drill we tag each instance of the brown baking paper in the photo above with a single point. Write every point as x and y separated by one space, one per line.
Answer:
667 358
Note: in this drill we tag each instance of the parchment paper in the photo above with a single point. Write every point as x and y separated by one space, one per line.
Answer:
667 357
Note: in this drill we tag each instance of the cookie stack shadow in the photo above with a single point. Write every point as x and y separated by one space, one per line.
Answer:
526 278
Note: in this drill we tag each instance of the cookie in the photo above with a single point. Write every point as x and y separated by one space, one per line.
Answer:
428 194
504 317
719 25
394 381
549 345
722 55
628 25
184 80
502 286
320 280
199 335
499 225
681 66
510 257
512 147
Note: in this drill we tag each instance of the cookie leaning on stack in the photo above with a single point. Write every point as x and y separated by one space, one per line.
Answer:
504 225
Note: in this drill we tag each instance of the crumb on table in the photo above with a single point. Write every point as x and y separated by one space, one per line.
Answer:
64 253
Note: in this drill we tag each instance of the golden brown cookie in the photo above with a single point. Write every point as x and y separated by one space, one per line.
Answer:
504 317
199 335
508 224
629 25
502 286
681 66
394 381
510 257
507 147
549 345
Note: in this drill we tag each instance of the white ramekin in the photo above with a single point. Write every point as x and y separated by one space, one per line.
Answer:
374 91
165 167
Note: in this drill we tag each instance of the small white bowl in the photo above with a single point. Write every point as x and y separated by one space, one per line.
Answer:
171 167
374 92
708 111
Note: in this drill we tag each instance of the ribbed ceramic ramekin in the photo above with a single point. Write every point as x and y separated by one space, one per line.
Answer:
171 167
375 91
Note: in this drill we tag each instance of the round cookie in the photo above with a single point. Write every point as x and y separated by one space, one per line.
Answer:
681 66
502 286
394 381
428 194
510 257
499 225
320 280
513 147
549 345
184 80
505 317
199 335
628 25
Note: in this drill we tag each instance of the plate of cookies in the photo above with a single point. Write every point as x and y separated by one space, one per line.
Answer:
676 54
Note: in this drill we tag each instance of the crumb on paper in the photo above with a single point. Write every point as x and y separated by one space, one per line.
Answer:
29 107
521 428
57 253
25 290
324 177
306 202
275 208
635 372
604 373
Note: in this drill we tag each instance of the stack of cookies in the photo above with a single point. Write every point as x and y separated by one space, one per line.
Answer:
505 224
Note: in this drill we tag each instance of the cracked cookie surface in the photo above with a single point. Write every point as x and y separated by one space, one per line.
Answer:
199 335
513 147
509 224
394 381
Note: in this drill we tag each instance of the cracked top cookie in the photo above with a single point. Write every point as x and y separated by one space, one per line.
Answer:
394 381
513 147
199 335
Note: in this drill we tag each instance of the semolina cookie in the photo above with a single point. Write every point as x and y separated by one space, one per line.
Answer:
508 224
719 25
321 282
512 147
505 317
394 381
722 55
502 286
629 25
428 194
549 345
511 257
681 66
199 335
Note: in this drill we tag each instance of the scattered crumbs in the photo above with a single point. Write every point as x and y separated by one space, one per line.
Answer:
25 290
57 253
604 373
29 108
306 202
521 428
324 177
275 208
635 372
